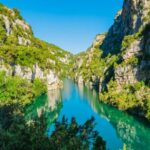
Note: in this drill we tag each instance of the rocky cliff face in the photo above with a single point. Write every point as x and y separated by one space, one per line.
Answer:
129 41
51 78
123 69
21 54
134 16
84 71
15 29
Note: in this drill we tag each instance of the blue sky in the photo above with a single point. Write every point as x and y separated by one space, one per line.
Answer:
70 24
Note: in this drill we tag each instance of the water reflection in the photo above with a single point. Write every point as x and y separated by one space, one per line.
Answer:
81 89
54 97
49 105
135 134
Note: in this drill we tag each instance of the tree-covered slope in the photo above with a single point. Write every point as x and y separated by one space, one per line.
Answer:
18 46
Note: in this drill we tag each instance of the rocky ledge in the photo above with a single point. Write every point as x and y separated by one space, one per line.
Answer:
49 76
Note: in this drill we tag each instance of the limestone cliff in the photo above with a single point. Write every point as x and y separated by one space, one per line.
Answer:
86 66
128 38
123 69
134 15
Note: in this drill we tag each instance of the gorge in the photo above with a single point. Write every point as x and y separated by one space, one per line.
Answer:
37 79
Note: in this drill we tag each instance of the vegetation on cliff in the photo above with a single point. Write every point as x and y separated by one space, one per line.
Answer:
86 70
134 97
18 91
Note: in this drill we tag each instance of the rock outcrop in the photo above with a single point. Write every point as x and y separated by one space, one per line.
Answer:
132 74
51 78
134 15
15 27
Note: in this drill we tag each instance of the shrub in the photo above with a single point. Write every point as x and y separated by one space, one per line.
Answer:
133 97
15 90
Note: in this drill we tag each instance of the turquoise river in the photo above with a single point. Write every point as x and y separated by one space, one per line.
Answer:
116 127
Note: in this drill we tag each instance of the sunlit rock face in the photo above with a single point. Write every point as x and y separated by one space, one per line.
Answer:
134 49
53 81
132 74
98 41
7 24
6 68
11 25
133 59
23 72
22 23
23 41
51 78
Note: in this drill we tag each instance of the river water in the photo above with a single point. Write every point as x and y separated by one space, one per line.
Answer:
116 127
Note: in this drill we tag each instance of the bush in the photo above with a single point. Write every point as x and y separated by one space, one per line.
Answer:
17 14
39 87
15 90
134 97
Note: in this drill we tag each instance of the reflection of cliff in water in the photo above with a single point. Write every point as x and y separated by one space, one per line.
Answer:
135 134
49 105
